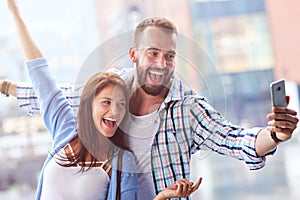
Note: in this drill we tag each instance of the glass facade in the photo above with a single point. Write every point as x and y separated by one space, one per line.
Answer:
237 38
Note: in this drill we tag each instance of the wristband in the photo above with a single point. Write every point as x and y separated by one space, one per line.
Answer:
275 138
5 87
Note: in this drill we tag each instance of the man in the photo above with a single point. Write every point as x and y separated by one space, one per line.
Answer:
168 122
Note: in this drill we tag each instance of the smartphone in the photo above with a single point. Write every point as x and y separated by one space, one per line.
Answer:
278 93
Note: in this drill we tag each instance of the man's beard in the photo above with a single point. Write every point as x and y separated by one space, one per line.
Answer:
151 89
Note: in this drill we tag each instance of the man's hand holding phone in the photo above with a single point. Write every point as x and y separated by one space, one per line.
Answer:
283 121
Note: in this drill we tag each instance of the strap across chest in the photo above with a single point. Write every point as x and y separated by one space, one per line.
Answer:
105 165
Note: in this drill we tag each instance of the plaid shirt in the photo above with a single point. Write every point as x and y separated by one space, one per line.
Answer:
187 123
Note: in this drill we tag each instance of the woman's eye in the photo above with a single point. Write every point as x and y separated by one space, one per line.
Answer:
106 102
122 104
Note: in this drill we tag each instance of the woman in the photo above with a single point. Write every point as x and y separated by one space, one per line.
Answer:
84 162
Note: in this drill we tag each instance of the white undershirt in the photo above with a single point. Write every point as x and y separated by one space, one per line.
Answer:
140 132
62 183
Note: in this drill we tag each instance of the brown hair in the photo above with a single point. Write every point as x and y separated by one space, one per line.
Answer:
88 134
159 22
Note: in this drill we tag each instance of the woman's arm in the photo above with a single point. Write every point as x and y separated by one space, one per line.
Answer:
57 112
28 45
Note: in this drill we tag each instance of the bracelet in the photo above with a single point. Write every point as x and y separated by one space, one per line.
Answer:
275 138
5 87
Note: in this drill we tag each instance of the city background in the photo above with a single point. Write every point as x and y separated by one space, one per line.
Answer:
229 51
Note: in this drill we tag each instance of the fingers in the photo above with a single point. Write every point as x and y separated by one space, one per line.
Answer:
186 188
196 186
284 110
287 100
283 124
283 114
12 5
183 187
283 121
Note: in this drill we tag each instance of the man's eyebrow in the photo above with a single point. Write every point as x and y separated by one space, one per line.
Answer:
157 49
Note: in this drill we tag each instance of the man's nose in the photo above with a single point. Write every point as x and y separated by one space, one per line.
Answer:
160 60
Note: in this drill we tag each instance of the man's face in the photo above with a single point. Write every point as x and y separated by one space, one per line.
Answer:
155 59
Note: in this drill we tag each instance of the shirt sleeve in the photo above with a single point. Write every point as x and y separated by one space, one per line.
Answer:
57 114
213 132
28 101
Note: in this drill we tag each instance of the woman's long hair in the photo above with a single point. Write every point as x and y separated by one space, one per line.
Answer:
90 141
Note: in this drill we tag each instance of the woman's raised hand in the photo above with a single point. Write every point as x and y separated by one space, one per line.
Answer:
13 6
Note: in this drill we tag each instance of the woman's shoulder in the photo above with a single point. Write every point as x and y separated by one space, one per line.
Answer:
128 155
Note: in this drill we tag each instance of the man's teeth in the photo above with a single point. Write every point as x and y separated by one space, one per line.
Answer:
157 73
110 119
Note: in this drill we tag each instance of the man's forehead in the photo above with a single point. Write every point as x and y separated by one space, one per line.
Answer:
159 38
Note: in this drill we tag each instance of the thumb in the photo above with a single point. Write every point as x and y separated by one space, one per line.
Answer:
287 99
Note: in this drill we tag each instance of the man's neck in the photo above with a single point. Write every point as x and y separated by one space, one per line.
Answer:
142 103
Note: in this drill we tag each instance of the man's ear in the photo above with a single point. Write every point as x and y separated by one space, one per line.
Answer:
132 54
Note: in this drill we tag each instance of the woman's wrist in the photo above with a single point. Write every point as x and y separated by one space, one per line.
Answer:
159 197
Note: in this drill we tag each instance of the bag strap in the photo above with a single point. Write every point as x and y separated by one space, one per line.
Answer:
119 171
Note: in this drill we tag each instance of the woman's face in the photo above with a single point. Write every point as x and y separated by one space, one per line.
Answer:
108 109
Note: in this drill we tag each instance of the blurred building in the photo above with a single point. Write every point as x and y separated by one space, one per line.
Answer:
283 19
232 46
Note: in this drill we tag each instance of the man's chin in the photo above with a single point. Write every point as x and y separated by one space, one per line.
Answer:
153 90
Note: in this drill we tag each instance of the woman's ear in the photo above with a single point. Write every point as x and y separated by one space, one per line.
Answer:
132 54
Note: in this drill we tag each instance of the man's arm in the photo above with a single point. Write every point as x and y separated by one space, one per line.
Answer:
250 145
8 88
27 98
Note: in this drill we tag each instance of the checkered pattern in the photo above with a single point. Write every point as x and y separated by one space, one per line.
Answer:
28 100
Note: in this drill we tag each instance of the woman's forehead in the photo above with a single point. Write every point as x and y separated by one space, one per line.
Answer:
111 91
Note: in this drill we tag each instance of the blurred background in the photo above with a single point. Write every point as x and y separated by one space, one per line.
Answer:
229 51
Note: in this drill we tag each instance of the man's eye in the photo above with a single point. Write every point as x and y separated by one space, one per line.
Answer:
170 56
152 53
